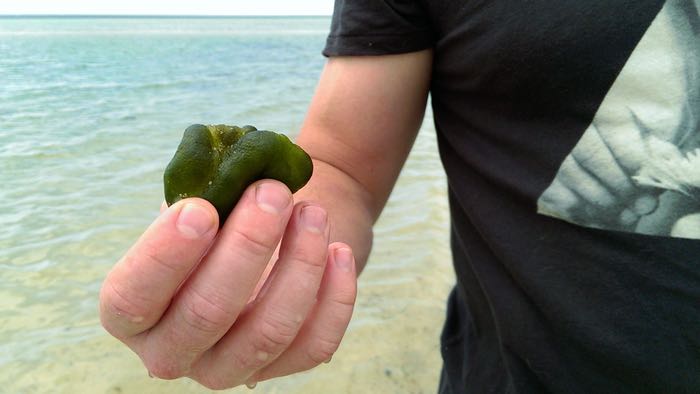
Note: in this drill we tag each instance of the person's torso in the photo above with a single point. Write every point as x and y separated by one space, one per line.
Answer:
569 133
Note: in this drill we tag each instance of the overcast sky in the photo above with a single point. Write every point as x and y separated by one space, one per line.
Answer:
168 7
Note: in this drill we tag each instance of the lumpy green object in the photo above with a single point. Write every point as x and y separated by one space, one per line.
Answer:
218 162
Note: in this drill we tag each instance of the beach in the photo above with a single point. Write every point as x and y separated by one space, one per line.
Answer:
91 111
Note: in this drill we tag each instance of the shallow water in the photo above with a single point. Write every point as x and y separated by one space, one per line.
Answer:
91 111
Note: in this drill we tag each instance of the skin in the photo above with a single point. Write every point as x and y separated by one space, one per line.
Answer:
235 305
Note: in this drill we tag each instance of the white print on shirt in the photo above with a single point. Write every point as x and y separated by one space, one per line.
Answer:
637 166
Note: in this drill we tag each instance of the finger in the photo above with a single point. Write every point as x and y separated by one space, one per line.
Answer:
213 296
559 201
645 203
270 325
320 336
592 154
163 206
624 137
139 288
577 179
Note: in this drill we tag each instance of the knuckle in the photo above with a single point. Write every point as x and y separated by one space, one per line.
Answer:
119 303
274 335
203 314
321 350
255 243
344 299
153 257
247 361
309 262
163 368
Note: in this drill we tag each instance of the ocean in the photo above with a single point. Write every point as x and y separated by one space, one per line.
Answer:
91 111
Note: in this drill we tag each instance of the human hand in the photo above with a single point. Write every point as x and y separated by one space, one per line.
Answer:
602 182
647 121
594 185
180 297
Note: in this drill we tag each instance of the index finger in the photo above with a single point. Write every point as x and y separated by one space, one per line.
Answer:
139 288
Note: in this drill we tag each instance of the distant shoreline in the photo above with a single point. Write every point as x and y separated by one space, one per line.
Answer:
126 16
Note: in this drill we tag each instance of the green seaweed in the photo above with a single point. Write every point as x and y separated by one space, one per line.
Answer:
218 162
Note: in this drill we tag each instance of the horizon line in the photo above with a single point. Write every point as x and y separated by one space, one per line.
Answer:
160 15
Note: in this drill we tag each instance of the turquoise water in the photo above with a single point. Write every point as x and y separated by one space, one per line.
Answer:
91 111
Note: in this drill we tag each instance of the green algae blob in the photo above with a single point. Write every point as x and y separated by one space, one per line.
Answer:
218 162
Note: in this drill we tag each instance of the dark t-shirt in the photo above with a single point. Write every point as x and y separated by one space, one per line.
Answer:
569 134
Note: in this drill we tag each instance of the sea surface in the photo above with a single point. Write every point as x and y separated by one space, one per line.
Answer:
91 111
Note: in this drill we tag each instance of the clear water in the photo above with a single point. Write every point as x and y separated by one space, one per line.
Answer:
91 110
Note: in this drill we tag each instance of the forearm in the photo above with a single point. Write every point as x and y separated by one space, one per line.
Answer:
359 129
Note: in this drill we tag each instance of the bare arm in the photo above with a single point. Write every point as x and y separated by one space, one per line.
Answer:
360 127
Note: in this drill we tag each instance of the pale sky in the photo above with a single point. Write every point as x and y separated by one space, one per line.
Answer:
168 7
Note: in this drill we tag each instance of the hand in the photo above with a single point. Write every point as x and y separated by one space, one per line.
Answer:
649 112
599 185
594 185
180 297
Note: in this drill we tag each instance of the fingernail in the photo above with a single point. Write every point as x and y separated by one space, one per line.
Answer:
272 197
194 221
251 385
343 259
313 218
328 360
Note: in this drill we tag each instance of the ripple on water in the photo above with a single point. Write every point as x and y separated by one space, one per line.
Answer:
90 121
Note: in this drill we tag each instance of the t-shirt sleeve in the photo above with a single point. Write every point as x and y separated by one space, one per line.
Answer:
378 27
